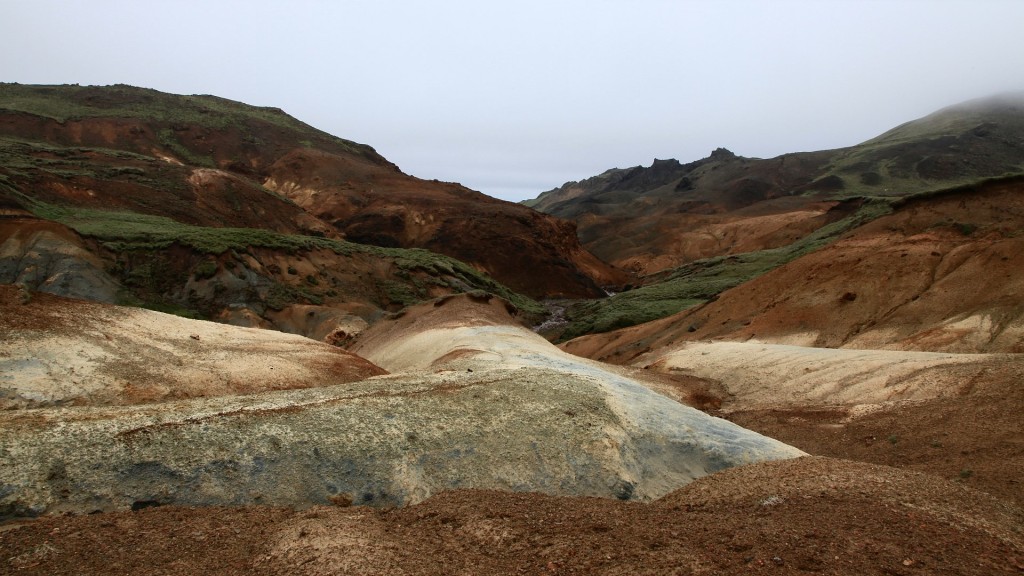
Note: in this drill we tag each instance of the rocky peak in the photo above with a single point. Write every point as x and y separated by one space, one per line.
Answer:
722 154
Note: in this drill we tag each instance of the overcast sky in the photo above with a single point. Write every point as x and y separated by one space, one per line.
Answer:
515 98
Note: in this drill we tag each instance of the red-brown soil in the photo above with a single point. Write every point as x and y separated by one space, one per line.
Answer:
809 515
965 428
536 254
973 438
90 172
940 274
215 170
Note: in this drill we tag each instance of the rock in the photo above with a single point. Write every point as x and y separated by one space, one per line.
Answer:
527 418
47 257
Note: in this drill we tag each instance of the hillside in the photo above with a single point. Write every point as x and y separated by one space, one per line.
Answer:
208 162
940 273
691 231
832 353
666 215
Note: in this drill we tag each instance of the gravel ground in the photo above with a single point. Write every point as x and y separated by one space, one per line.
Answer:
800 516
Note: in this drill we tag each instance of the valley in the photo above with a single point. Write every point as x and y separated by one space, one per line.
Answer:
232 343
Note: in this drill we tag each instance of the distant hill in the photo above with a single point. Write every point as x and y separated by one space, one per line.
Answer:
940 273
217 209
649 219
689 232
207 161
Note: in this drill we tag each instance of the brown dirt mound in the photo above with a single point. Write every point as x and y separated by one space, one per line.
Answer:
956 416
60 351
459 310
808 515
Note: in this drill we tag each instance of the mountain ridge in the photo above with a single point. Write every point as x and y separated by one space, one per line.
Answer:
959 144
688 232
208 161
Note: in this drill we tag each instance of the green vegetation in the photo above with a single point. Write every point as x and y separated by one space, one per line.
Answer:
956 146
170 141
459 276
205 270
130 231
121 231
702 280
72 102
623 310
965 228
28 159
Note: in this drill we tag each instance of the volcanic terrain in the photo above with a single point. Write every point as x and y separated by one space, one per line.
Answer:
231 343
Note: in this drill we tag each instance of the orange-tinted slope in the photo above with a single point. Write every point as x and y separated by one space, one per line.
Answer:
208 161
531 252
942 273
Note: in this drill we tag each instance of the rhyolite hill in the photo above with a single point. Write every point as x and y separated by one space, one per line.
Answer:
881 334
958 145
690 231
215 209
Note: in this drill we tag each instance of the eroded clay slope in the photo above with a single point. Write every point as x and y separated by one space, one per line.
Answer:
940 274
503 409
64 352
757 375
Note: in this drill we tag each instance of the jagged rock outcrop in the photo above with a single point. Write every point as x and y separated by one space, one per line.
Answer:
47 257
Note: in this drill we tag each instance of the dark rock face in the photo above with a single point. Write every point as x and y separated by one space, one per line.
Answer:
46 257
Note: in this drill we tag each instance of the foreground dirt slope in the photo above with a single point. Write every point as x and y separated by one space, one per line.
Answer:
760 519
972 439
956 416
